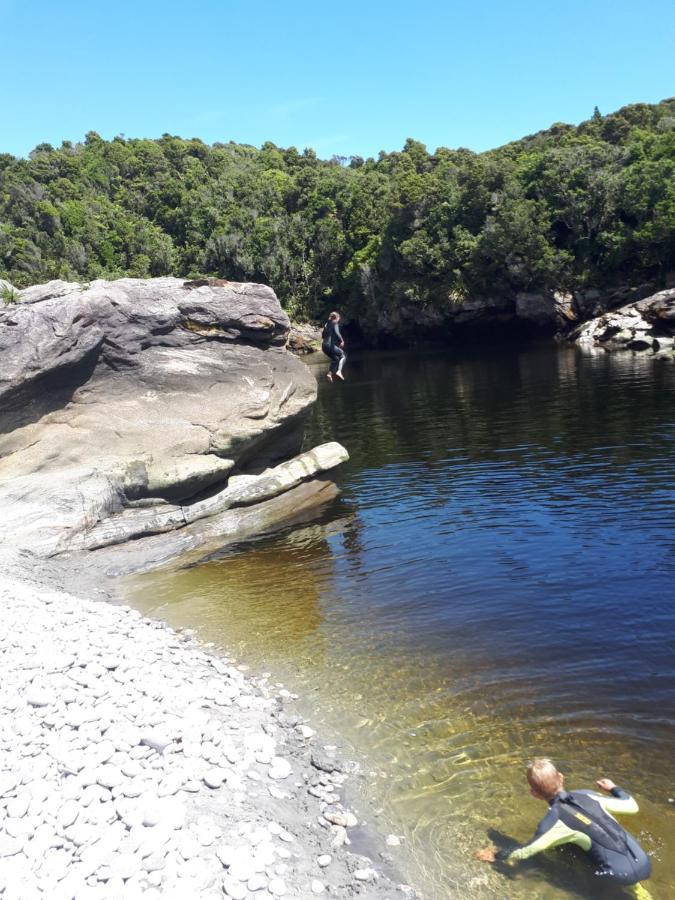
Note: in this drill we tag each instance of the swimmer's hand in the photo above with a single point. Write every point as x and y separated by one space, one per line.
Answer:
606 784
487 854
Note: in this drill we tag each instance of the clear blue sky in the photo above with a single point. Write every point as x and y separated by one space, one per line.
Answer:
354 77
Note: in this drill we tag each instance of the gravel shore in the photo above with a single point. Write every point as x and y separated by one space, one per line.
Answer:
135 764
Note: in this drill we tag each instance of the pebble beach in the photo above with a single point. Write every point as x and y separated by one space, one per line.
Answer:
133 763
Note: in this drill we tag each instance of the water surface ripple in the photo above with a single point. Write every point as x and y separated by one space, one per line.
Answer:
495 581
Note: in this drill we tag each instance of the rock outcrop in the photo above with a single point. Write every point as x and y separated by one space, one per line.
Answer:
646 325
125 406
530 313
304 338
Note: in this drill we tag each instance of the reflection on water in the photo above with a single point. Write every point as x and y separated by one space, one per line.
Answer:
495 582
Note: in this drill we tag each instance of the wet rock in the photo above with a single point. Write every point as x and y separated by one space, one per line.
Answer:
367 874
343 819
325 761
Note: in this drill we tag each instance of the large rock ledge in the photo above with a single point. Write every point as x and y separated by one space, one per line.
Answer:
136 408
647 325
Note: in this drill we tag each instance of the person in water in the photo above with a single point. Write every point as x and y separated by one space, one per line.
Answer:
583 818
333 346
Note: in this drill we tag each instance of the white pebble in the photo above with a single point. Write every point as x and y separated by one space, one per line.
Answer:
234 889
214 778
280 768
365 874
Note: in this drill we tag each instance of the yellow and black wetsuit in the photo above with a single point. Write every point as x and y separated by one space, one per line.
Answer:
584 818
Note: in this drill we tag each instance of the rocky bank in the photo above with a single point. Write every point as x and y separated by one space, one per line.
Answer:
134 764
522 313
141 421
647 325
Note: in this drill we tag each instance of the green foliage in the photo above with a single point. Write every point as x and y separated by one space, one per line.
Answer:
565 208
8 295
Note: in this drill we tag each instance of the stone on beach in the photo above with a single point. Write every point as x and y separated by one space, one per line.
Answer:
280 768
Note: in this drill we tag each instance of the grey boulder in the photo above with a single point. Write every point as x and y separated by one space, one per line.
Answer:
132 398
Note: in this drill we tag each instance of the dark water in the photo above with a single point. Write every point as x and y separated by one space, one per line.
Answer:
495 582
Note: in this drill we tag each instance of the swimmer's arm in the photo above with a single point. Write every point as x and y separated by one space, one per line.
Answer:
619 801
551 832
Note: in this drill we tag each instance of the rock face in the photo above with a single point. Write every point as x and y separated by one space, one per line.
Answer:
647 325
304 338
122 403
527 313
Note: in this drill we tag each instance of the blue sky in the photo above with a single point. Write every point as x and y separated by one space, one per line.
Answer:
344 78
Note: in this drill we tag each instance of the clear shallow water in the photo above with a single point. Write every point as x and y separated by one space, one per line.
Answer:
496 581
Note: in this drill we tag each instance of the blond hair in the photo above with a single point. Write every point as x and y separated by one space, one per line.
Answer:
543 776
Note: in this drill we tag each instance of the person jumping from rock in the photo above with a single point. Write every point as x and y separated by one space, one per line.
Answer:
582 818
333 346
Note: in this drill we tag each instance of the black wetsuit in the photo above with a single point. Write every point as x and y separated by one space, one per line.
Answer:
331 340
583 818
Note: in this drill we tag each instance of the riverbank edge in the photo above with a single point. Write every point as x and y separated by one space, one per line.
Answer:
295 786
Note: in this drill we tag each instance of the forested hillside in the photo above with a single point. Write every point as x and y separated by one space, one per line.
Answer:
570 207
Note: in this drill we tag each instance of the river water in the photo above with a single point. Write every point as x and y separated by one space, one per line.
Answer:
496 581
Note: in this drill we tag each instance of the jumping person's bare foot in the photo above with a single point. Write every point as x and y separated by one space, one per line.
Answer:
340 376
329 377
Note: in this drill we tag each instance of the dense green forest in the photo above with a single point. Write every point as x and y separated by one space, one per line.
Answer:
567 208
